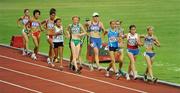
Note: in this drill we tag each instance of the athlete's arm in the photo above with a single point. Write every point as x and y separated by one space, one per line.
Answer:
43 23
103 30
18 22
40 26
28 26
139 41
83 31
67 34
156 42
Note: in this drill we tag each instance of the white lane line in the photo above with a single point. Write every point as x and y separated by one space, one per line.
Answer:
12 84
98 80
45 79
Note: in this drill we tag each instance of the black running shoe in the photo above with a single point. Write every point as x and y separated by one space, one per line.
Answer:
145 77
80 68
70 66
73 68
155 80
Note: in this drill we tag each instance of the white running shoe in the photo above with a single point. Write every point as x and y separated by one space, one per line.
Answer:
127 77
91 67
24 53
33 56
135 77
48 61
107 74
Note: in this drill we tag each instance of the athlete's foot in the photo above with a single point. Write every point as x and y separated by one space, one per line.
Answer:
135 77
33 56
52 65
107 73
127 77
48 61
70 66
78 71
80 68
118 75
73 68
154 80
61 68
56 60
91 68
28 52
24 53
122 73
145 78
99 68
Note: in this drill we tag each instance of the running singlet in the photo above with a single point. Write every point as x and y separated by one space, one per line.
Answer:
35 26
113 38
149 41
49 24
132 41
58 38
121 32
93 27
75 29
25 20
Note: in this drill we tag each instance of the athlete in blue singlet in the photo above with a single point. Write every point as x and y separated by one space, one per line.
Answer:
95 27
113 45
149 41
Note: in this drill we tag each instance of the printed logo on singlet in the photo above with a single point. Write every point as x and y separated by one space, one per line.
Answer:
75 29
94 27
50 25
132 41
113 36
25 21
112 39
148 41
35 24
58 38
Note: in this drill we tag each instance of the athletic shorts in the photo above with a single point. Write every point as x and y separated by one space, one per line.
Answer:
133 51
150 54
96 42
25 31
36 33
76 41
58 44
113 49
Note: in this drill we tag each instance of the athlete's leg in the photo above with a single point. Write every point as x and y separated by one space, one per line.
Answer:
132 64
36 44
26 40
79 57
61 55
121 59
96 54
74 54
49 40
112 53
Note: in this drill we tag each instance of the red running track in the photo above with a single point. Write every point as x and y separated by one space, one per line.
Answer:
20 74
